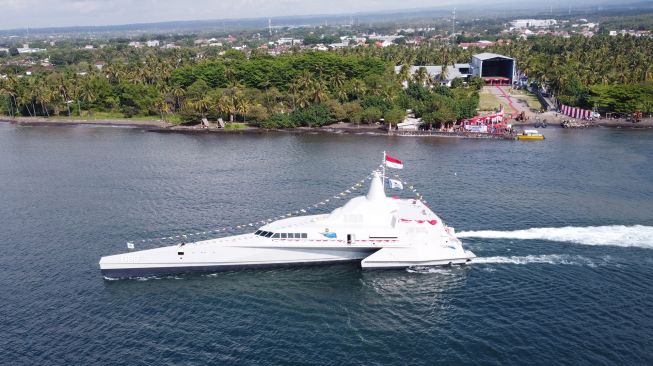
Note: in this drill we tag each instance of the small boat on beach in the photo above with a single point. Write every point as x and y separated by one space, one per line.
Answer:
373 230
530 135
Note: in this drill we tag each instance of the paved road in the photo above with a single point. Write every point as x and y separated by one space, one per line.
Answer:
502 95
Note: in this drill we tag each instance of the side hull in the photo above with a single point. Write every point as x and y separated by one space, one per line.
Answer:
396 265
417 256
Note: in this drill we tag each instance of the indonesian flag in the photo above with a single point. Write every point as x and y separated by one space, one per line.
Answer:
395 163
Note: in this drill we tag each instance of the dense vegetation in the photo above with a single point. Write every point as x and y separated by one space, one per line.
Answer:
308 88
290 90
577 70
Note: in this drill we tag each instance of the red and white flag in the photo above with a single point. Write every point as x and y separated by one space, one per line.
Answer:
395 163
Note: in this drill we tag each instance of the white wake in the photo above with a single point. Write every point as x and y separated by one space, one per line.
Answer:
545 258
615 235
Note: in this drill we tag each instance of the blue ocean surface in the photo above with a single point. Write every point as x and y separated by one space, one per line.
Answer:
563 229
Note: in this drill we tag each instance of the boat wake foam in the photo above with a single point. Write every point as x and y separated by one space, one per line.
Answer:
615 235
447 271
576 260
555 259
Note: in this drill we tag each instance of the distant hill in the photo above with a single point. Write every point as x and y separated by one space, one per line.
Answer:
502 8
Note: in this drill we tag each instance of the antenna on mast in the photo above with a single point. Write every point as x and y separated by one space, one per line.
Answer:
453 23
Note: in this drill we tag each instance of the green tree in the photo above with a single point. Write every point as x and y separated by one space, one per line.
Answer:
394 116
315 115
337 110
372 114
353 112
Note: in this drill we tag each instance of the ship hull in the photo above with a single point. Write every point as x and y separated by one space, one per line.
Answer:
135 272
167 261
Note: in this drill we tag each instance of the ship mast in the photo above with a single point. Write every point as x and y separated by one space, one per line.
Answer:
383 172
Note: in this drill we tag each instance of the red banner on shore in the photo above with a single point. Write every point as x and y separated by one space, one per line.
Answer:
574 112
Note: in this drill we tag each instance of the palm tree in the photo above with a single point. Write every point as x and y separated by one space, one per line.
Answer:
178 94
317 91
338 86
43 96
11 88
294 89
63 91
242 107
88 93
357 88
24 97
203 105
404 73
420 75
230 101
444 74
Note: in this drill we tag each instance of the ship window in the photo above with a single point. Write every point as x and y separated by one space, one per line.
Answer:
258 232
268 234
295 235
180 253
304 236
284 235
276 235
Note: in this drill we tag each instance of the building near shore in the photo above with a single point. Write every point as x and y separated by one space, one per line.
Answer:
495 69
409 123
434 72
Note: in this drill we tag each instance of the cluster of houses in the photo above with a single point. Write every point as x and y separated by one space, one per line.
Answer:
525 28
633 33
151 43
25 49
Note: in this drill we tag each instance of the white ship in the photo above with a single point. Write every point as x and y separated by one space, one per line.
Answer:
375 230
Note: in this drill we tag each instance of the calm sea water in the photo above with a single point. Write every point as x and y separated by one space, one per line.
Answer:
541 293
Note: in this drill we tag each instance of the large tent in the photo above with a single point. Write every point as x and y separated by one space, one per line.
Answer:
496 68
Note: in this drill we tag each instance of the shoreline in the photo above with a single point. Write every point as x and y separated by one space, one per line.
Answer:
336 129
555 119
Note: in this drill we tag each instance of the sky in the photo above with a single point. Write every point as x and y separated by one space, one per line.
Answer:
62 13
